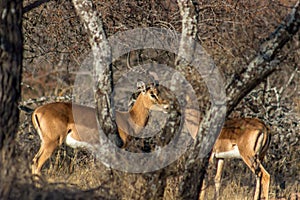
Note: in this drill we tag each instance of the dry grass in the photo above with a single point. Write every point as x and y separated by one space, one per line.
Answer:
238 183
235 191
75 175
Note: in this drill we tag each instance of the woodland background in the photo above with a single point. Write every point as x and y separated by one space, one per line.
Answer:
55 44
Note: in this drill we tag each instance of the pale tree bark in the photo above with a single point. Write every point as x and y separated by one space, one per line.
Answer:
253 74
102 58
185 54
11 51
194 167
189 33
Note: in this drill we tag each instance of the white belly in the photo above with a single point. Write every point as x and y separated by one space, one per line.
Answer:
77 144
234 153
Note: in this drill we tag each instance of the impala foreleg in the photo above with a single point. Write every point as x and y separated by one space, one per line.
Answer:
220 165
203 189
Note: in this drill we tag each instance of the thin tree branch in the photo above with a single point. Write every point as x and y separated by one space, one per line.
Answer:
265 62
259 68
34 5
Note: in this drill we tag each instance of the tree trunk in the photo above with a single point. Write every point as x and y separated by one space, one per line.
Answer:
261 66
11 50
102 68
194 168
258 69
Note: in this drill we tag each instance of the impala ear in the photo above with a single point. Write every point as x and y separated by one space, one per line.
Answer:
151 85
141 86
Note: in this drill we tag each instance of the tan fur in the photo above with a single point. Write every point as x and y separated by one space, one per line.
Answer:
252 139
55 121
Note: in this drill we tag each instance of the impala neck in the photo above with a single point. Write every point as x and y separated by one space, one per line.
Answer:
138 113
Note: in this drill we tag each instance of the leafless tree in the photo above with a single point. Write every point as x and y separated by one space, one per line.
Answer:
248 77
258 69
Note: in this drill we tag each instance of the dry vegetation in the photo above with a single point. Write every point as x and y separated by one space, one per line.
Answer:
230 31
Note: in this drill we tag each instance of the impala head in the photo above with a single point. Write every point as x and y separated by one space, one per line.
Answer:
152 99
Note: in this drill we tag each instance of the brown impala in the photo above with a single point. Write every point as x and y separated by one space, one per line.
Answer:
248 139
77 125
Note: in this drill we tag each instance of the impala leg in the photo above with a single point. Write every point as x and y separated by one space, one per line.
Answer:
124 138
203 188
262 182
265 182
254 164
262 177
35 160
220 164
42 156
255 167
257 188
204 183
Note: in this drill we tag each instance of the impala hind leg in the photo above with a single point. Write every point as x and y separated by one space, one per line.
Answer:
35 160
262 177
42 156
262 181
265 182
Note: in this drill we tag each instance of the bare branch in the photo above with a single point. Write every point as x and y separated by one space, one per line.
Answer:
260 67
34 5
265 62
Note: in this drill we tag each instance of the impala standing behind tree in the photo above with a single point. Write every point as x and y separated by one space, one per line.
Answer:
55 123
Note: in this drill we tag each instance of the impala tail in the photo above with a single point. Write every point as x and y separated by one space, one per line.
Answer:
26 109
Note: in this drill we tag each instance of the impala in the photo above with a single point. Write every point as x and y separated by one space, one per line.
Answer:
248 139
77 124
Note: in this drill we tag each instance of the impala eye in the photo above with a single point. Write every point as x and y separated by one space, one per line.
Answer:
153 95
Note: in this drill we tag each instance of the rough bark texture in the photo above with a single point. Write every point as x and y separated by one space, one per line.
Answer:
102 56
257 70
194 168
11 50
189 32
